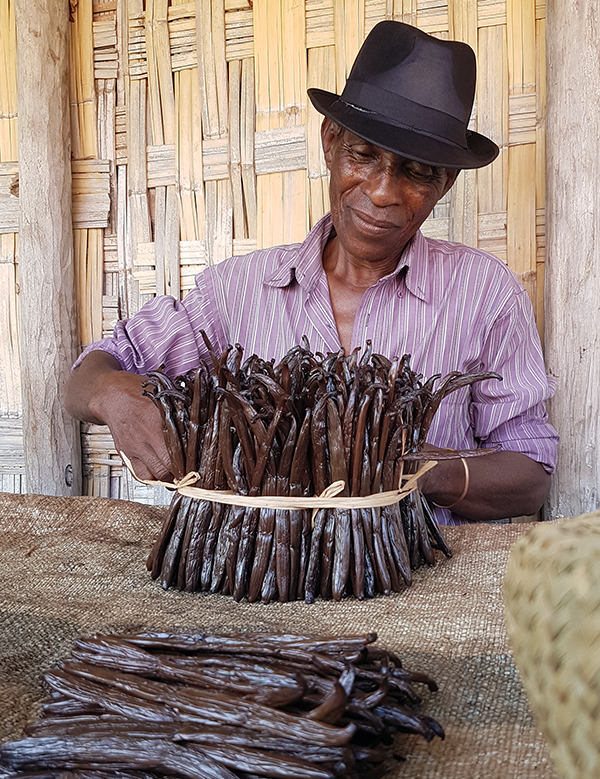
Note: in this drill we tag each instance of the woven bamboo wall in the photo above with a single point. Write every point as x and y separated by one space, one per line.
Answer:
193 139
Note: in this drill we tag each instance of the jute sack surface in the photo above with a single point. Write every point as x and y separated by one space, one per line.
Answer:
552 595
72 567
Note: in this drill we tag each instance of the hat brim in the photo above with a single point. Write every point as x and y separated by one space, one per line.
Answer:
405 141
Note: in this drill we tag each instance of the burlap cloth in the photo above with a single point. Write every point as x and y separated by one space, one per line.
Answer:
73 567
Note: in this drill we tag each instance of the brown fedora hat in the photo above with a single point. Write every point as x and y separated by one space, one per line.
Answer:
412 94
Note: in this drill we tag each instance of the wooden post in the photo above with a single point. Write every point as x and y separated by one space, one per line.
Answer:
51 439
573 250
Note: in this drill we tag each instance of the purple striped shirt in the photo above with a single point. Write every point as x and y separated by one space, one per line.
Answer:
451 307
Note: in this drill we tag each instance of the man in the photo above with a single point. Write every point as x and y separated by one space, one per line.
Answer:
394 142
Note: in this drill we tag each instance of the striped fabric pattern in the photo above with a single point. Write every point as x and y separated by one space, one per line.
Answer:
452 308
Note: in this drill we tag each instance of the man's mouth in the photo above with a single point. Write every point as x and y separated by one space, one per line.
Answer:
373 223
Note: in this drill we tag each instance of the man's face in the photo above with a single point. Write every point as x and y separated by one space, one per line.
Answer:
378 199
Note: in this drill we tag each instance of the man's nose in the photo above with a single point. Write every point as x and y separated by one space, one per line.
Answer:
384 185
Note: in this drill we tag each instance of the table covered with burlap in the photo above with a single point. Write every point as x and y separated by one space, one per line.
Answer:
73 567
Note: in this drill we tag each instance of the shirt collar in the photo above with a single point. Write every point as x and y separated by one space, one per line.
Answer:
415 258
305 265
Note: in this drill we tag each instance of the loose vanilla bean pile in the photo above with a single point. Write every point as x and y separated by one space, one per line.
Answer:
238 706
292 429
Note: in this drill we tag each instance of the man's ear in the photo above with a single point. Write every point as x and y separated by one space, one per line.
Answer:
329 131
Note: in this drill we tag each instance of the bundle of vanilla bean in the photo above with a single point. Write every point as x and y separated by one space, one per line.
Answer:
292 429
243 706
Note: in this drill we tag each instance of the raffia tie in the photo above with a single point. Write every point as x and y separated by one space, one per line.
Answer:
327 499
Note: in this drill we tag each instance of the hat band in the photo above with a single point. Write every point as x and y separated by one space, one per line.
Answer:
405 112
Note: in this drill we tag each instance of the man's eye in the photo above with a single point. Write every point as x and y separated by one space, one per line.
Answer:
422 172
362 152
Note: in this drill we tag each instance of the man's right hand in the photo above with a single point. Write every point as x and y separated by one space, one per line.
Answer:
99 391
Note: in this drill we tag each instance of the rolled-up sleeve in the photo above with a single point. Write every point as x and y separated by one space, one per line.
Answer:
165 332
512 413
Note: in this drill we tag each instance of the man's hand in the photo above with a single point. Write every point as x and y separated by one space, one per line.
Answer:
99 391
503 484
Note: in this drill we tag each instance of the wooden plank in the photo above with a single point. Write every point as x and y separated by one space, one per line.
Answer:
572 253
47 303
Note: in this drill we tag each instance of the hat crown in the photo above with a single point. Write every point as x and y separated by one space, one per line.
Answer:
412 94
416 66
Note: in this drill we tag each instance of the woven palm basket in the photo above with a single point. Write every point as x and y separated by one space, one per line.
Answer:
552 595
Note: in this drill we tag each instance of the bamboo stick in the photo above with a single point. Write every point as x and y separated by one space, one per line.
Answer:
207 73
492 117
540 169
218 50
183 163
295 216
84 94
321 73
462 21
405 11
165 77
293 45
173 283
235 152
349 32
520 29
95 262
262 56
219 220
521 220
10 386
197 183
8 83
247 122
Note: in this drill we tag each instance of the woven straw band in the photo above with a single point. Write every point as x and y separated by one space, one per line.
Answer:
327 498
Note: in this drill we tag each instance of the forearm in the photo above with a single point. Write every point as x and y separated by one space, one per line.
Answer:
503 484
99 391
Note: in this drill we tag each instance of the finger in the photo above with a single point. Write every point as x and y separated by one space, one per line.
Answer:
160 472
140 471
